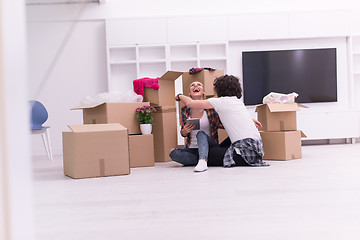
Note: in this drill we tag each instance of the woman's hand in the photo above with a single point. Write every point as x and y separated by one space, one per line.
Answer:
188 127
257 123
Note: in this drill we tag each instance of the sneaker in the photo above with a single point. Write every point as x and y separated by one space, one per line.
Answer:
201 166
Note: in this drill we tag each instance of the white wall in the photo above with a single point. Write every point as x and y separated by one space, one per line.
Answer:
80 69
141 8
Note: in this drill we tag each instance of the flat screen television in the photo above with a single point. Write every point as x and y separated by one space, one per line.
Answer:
311 73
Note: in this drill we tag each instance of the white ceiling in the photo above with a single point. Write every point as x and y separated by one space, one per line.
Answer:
49 2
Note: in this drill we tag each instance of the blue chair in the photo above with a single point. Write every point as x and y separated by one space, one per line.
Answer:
39 115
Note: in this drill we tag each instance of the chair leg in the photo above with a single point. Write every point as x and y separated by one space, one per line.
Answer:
49 144
43 135
46 140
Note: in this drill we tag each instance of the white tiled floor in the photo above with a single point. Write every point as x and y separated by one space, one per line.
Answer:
316 197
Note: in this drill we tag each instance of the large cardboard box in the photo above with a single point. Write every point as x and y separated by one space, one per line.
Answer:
164 131
165 95
123 113
206 77
282 145
96 150
141 150
278 116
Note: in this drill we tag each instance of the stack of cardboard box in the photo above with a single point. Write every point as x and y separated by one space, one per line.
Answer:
108 143
280 136
164 123
163 99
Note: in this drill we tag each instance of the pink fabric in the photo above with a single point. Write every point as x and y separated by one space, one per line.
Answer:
140 83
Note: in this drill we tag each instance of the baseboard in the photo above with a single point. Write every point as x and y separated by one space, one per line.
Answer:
330 141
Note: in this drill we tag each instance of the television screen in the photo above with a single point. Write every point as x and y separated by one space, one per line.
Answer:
311 73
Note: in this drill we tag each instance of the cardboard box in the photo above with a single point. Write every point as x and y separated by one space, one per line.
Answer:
141 150
123 113
164 131
96 150
278 116
165 95
282 145
206 77
222 135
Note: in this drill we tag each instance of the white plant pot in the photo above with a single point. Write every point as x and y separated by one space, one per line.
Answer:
146 129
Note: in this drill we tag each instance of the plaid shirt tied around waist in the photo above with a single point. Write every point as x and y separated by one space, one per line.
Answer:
251 150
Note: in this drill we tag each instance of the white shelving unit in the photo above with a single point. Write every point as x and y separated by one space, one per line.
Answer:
355 69
131 56
129 62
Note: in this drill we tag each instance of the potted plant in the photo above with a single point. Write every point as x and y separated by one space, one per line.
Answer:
144 115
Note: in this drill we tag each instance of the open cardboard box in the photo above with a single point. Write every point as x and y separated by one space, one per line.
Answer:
284 145
123 113
206 77
96 150
141 150
165 95
278 116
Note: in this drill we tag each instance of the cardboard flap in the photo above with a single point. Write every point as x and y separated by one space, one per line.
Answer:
283 107
303 135
303 106
171 75
97 127
83 106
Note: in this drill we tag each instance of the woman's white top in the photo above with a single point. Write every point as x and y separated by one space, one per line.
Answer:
235 118
204 125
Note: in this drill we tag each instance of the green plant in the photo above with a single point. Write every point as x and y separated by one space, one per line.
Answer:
144 114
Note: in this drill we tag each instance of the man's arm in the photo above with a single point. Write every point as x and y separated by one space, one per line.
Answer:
189 102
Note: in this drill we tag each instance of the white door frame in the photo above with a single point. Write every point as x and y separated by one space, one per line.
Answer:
16 181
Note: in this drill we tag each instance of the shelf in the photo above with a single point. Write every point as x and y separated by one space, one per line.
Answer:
152 69
212 50
122 62
183 51
127 63
150 53
213 59
153 61
183 66
119 54
121 77
183 60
